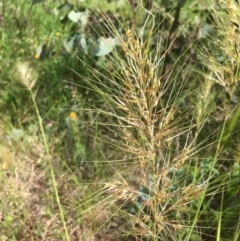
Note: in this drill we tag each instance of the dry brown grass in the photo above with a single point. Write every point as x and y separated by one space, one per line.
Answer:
153 134
222 57
143 106
28 207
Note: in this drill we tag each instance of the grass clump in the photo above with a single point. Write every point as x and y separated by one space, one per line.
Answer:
167 188
148 146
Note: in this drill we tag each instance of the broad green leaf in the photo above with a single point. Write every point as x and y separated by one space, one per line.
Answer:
104 46
79 17
74 16
65 7
83 43
69 44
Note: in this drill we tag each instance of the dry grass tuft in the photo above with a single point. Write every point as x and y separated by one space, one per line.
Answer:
144 108
28 209
224 61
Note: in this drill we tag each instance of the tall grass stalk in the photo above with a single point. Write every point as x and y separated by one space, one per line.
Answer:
162 136
28 78
206 185
161 131
51 166
144 106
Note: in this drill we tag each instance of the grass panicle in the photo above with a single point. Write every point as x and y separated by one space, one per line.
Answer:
136 135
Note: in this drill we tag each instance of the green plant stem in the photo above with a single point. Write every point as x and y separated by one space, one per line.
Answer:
220 217
231 126
237 233
207 184
51 166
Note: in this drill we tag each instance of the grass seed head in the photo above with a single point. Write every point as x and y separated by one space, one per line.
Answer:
26 75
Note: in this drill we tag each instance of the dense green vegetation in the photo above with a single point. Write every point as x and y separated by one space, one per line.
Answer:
119 120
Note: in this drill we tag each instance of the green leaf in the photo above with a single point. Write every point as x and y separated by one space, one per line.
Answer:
104 46
63 11
83 42
79 17
65 7
69 44
74 16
